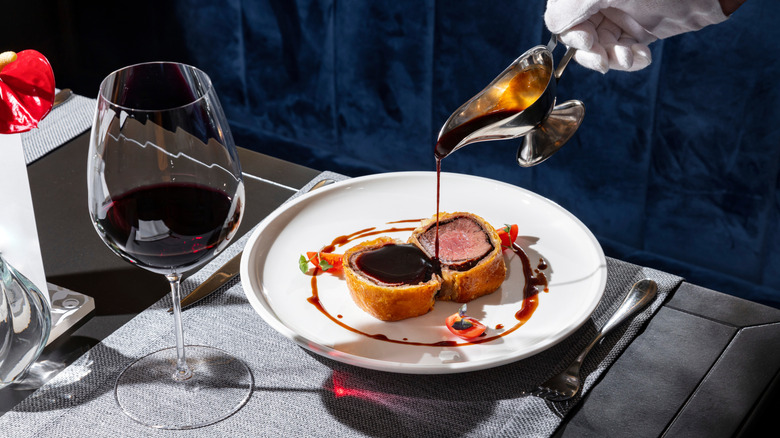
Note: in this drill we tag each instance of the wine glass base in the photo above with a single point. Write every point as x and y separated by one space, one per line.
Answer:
220 385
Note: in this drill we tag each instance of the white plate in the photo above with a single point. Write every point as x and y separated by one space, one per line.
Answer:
278 290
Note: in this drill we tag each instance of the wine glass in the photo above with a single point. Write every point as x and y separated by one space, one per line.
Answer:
166 194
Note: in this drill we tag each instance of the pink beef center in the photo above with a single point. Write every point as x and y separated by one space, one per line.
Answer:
460 239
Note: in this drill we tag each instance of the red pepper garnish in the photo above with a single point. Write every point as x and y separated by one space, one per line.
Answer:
508 234
26 91
328 262
464 326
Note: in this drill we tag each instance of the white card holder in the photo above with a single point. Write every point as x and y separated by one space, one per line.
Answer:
19 239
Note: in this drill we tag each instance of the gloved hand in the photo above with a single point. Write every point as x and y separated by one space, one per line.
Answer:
614 34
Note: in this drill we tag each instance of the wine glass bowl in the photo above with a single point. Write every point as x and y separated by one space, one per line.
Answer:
165 182
166 194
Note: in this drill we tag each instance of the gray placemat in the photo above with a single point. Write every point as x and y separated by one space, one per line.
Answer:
298 393
63 123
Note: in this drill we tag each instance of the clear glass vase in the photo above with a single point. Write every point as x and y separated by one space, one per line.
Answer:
25 323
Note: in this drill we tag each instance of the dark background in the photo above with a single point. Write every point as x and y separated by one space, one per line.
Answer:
675 167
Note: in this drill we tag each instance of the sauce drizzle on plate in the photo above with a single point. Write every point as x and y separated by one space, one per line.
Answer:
533 281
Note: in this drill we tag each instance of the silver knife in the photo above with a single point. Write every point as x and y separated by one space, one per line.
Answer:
226 272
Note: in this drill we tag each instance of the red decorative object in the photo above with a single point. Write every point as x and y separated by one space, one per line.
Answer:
26 92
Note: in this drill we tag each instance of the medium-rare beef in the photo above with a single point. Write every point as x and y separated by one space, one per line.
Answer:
462 242
469 253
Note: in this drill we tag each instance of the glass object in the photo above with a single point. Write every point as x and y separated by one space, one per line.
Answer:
25 323
166 194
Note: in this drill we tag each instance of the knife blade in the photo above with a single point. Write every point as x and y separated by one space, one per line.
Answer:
224 274
227 271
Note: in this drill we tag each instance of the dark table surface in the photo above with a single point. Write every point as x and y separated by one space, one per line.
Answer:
707 364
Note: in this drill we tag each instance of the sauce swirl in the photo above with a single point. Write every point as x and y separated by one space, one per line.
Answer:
533 281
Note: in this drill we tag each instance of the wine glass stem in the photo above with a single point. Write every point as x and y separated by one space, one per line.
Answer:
182 372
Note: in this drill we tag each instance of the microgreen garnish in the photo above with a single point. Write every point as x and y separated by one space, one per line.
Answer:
324 265
462 311
303 264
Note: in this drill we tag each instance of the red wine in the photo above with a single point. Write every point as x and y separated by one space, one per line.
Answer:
168 226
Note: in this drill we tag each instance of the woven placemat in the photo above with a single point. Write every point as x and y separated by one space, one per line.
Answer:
63 123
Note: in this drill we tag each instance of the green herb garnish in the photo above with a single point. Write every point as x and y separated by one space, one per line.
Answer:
324 265
303 264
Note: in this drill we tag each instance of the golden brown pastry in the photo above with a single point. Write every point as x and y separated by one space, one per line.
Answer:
469 252
390 279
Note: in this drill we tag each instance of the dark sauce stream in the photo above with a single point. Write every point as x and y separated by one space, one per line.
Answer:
451 139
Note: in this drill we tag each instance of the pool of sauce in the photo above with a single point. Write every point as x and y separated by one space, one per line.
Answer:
396 265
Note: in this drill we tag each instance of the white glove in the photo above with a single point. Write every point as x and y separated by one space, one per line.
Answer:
614 34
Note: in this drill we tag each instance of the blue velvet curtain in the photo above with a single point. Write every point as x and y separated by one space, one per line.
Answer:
675 166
